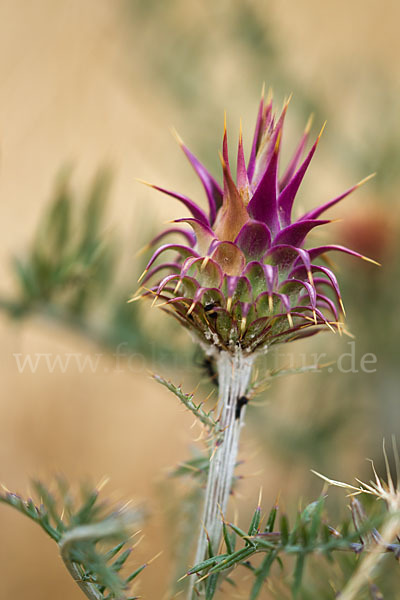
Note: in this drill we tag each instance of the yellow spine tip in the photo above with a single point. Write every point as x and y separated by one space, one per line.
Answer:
260 497
360 183
309 124
322 131
286 102
270 303
154 557
178 285
330 326
221 158
371 260
102 483
142 250
134 299
204 263
191 309
162 304
278 142
149 290
144 182
243 325
177 136
142 275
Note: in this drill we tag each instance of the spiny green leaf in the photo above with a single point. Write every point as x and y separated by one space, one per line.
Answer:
197 467
85 513
316 519
262 543
204 417
298 573
311 509
284 526
135 573
82 536
119 563
255 522
209 562
271 519
262 573
37 514
211 586
114 551
294 534
241 533
233 559
49 502
228 538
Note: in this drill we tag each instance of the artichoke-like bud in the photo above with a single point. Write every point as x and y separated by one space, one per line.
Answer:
242 278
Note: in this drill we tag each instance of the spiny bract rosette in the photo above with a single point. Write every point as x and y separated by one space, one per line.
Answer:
243 278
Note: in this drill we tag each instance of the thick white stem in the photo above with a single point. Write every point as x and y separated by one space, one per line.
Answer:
234 372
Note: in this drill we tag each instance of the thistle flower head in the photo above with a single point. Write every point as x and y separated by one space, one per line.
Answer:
242 277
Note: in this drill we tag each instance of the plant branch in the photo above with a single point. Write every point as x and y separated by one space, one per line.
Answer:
233 377
309 535
390 531
87 533
206 418
82 532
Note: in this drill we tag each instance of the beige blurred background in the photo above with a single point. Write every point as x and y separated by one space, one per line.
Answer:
98 82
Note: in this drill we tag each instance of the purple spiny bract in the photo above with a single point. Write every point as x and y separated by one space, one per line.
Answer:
243 277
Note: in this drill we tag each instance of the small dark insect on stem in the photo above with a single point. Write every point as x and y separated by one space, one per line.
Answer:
242 401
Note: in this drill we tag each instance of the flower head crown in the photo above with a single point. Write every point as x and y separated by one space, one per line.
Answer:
243 277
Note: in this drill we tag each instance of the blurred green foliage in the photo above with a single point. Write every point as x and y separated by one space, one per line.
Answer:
69 275
92 537
70 261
